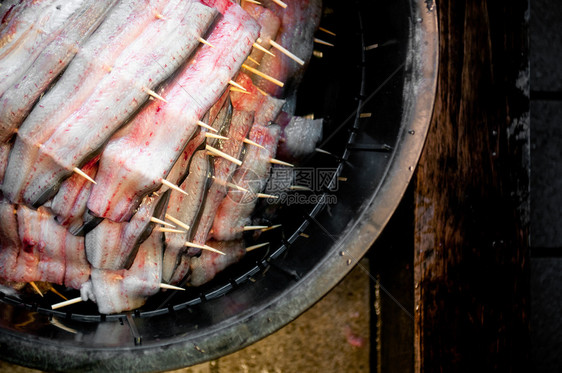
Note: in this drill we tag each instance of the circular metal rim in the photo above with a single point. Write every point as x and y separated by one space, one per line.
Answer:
256 323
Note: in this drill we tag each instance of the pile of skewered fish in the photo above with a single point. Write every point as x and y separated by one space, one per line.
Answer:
132 132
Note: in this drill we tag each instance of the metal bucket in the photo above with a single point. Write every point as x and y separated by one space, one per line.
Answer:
375 89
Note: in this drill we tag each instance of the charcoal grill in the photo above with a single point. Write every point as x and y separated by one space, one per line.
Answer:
375 89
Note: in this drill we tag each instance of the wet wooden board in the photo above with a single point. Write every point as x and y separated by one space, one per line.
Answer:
471 196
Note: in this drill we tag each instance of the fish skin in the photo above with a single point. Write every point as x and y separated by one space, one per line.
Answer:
269 23
112 245
10 244
135 160
5 149
205 267
223 170
42 250
35 248
186 209
123 290
300 138
298 24
18 99
77 269
236 209
28 32
266 107
124 23
116 97
69 204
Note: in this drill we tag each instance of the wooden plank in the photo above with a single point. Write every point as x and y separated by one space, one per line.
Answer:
471 196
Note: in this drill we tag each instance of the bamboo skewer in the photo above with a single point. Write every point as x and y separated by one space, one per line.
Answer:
205 125
327 31
272 227
158 221
252 60
57 293
229 184
263 195
67 303
203 247
171 287
238 187
282 163
280 3
203 41
177 221
169 230
253 2
250 248
262 92
265 76
34 286
322 151
159 16
213 136
248 141
254 227
257 46
318 41
84 175
173 186
300 187
223 155
317 54
79 299
235 89
154 94
232 82
286 52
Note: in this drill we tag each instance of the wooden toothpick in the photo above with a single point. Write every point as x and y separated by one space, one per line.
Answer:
34 286
158 221
263 195
257 46
154 94
265 76
252 60
250 248
236 89
318 41
66 303
254 227
84 175
223 155
327 31
177 221
169 230
214 136
280 3
232 82
173 186
248 141
205 125
286 52
203 41
282 163
203 247
171 287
